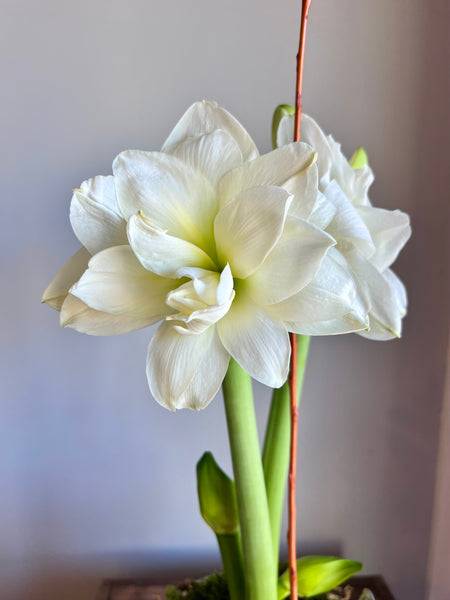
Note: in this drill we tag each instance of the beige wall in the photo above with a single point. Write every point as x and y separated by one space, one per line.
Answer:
439 574
97 479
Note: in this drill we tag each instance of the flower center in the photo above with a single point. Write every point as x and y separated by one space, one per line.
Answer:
202 301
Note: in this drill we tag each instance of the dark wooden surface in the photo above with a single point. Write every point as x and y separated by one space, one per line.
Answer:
142 589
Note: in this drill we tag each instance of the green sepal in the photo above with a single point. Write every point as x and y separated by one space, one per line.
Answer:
281 111
318 575
217 497
359 159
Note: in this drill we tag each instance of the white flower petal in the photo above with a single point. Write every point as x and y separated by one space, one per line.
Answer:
212 154
200 320
77 315
210 286
325 302
258 341
225 287
323 212
72 270
204 283
381 292
275 168
311 134
204 117
292 263
285 131
117 283
172 362
161 253
390 230
398 289
347 224
202 301
173 195
354 182
331 162
95 216
341 170
377 332
304 188
248 227
350 323
208 378
363 180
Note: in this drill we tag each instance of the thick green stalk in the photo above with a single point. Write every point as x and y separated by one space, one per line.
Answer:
275 458
231 553
259 568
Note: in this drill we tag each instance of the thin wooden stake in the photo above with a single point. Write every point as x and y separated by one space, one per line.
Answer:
306 4
293 373
293 470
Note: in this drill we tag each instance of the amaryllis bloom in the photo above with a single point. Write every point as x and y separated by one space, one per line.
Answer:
209 238
368 238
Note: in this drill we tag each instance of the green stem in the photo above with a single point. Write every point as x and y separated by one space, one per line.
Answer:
275 457
259 568
231 552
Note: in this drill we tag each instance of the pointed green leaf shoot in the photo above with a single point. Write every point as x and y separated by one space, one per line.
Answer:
366 594
217 497
317 575
281 111
359 159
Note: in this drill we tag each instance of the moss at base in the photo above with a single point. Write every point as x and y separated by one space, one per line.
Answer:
212 587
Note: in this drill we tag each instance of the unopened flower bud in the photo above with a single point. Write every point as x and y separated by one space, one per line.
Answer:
283 110
359 159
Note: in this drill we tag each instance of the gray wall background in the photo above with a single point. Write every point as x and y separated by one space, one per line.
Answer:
97 479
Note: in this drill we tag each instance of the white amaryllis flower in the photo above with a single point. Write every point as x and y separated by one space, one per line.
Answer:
368 238
210 238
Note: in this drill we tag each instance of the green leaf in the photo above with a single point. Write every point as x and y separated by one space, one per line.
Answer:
281 111
359 159
217 497
317 575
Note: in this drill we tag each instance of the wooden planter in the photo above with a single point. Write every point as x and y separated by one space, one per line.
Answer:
141 589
